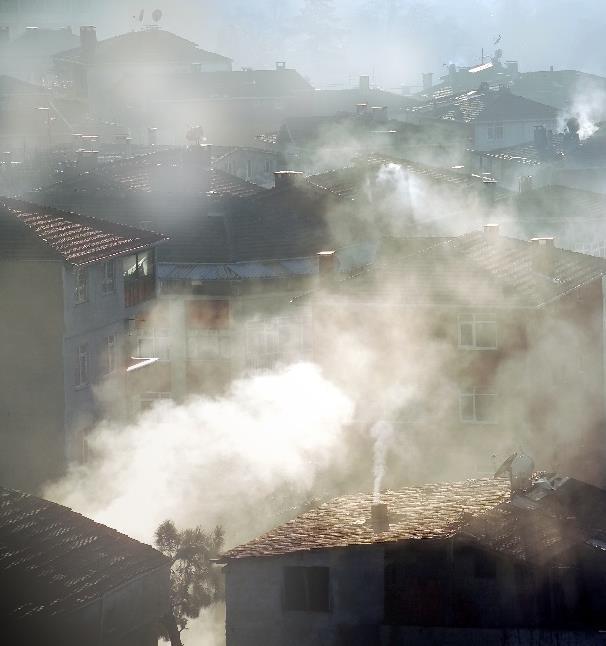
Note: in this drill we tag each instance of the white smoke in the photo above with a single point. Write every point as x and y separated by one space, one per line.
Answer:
212 460
383 434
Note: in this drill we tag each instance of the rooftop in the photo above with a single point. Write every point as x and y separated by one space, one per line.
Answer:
59 559
543 522
485 106
422 512
495 272
146 46
32 232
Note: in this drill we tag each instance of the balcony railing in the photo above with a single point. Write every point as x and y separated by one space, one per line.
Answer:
140 289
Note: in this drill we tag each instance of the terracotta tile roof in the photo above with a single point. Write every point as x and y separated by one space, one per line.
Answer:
494 272
427 511
32 232
54 560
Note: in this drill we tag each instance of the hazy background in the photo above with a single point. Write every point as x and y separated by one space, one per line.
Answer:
333 41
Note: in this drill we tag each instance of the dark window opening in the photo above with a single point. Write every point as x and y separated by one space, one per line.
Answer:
306 589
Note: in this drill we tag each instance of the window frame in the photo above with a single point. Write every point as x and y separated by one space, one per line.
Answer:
82 377
108 282
474 394
81 283
110 354
160 342
475 319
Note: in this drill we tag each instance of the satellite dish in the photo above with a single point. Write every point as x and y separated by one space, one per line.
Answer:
520 468
157 15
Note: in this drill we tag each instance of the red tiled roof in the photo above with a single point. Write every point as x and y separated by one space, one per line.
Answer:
493 272
427 511
53 559
33 232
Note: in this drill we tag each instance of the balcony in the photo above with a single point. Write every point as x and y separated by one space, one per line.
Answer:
138 289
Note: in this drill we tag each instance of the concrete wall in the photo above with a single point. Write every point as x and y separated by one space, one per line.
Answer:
514 133
255 614
32 401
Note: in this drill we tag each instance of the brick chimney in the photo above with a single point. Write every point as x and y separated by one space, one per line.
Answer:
288 178
542 255
88 43
379 517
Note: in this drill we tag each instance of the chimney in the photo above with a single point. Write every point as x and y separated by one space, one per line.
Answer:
88 43
491 231
427 81
5 34
525 183
288 178
540 138
379 517
379 114
489 186
152 136
542 253
364 84
327 266
87 160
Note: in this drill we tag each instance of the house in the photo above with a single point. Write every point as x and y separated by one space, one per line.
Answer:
69 580
29 56
96 67
492 119
509 335
466 562
236 256
232 107
549 159
70 285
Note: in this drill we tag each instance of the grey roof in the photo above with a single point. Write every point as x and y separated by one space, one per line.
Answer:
54 560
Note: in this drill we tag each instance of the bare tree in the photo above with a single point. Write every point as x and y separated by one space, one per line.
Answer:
195 583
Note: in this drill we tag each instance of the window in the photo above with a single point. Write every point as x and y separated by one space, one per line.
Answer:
81 285
478 406
478 331
306 589
153 343
269 342
495 131
208 344
110 354
108 284
82 365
